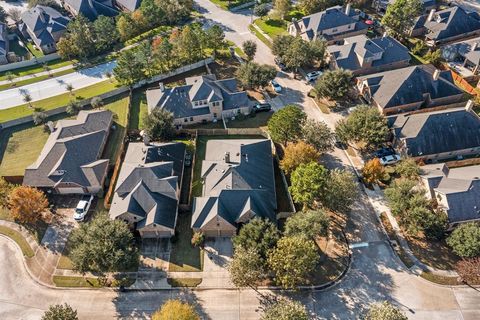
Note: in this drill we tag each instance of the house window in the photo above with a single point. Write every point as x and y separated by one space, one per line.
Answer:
215 115
195 103
191 119
185 120
334 30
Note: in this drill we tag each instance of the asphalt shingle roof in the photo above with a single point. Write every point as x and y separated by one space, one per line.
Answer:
3 39
91 9
43 21
452 22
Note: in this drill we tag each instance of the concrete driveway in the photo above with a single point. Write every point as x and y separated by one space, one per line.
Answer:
218 253
55 86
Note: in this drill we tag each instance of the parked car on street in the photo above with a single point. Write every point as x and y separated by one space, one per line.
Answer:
276 87
386 151
390 159
260 107
313 76
82 207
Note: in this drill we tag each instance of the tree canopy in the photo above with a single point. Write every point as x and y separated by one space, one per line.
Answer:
384 311
308 182
296 154
102 245
285 309
60 312
158 125
373 171
341 191
319 135
27 204
400 16
286 124
465 240
252 75
295 52
308 224
334 84
249 48
259 235
247 267
408 168
175 309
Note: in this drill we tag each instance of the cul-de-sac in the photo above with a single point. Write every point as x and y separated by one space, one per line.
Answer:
240 159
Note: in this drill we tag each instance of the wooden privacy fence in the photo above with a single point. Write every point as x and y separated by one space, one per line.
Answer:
464 84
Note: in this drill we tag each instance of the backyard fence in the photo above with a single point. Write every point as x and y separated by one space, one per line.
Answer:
29 63
464 84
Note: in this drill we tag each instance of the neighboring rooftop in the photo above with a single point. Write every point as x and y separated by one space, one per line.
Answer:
148 183
361 52
43 23
3 39
130 5
444 131
91 9
451 22
410 85
72 153
238 179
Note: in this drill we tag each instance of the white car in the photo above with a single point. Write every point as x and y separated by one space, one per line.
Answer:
82 208
276 86
312 76
390 159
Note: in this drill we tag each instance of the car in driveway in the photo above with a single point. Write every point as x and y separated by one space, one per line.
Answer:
313 76
188 159
262 107
390 159
276 87
386 151
280 64
82 208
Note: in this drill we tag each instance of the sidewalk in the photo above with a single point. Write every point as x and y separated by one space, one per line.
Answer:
38 74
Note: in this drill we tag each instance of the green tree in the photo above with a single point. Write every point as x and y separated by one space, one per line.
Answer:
102 245
286 124
281 44
198 239
215 38
158 125
400 16
285 309
188 46
96 102
129 69
373 171
319 135
341 191
334 84
434 57
127 27
259 235
79 40
297 153
261 10
365 124
39 118
308 183
152 12
252 75
249 48
60 312
309 224
282 7
384 311
163 54
5 189
247 267
298 54
313 6
318 47
73 108
465 240
292 261
176 310
398 193
105 33
408 168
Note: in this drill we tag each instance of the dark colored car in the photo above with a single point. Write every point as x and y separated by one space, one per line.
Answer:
280 64
188 159
383 152
262 107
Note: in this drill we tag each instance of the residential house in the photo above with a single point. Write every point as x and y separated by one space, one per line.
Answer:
437 135
4 44
128 5
466 53
381 5
45 26
362 55
238 184
148 188
408 89
70 162
91 9
455 190
333 24
452 24
202 99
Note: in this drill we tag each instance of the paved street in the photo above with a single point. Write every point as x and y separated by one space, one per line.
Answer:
55 86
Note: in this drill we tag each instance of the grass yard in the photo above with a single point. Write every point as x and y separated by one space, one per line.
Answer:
76 282
120 109
184 256
260 36
34 80
37 53
65 262
184 282
258 121
138 109
37 230
57 101
19 239
272 27
22 150
54 64
226 4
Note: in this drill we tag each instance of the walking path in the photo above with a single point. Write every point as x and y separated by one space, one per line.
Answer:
38 74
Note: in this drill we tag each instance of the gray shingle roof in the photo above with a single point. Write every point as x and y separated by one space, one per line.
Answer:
231 189
435 132
409 85
355 49
461 188
148 183
3 39
178 100
91 9
130 5
72 153
463 49
451 22
42 22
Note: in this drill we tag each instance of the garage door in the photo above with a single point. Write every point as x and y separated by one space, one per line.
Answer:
70 190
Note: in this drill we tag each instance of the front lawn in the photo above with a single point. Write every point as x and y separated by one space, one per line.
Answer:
184 282
259 120
19 239
35 79
227 4
76 282
22 150
260 36
119 106
57 101
36 52
184 256
19 72
272 27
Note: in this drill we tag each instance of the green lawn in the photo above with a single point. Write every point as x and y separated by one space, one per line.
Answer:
19 239
272 27
260 36
57 101
138 109
54 64
184 282
34 80
76 282
22 150
37 53
184 256
259 120
225 4
119 107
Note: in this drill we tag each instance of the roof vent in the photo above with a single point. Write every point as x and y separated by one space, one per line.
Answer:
436 75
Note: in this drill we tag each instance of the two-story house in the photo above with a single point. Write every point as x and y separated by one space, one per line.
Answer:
91 9
333 24
202 99
362 55
4 43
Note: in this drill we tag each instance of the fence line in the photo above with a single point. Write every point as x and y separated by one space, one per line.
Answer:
29 63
